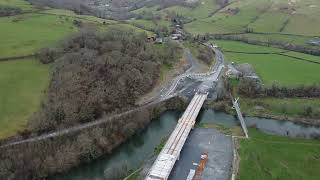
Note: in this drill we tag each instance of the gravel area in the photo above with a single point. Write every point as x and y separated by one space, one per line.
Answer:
219 149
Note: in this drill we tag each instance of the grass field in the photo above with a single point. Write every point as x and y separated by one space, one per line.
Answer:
227 22
290 107
128 27
268 16
84 18
151 25
24 5
203 10
243 47
273 24
145 10
274 68
267 157
299 17
22 84
25 34
305 20
269 38
304 56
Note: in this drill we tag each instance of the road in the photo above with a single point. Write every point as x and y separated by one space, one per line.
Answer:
207 78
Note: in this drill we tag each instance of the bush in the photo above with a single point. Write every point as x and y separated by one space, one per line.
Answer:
9 11
206 55
117 171
49 55
251 88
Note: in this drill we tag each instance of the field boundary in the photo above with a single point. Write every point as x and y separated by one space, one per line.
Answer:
283 142
76 17
265 33
256 18
219 9
16 57
243 52
274 53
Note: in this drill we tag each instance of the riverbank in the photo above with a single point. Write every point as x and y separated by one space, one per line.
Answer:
226 106
60 153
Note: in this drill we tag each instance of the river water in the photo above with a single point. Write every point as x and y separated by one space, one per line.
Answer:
141 146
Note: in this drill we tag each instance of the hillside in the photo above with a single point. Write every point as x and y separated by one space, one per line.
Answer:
269 21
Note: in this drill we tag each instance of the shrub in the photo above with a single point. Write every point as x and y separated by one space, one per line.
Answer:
48 55
9 11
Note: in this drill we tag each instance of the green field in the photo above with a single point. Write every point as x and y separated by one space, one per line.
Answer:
26 34
305 20
227 22
203 10
84 18
273 38
303 56
128 27
284 107
299 17
267 157
150 25
24 5
22 84
267 16
274 68
145 9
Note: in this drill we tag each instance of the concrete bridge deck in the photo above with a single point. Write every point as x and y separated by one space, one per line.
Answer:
170 153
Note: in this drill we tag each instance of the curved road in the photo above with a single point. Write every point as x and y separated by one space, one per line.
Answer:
212 75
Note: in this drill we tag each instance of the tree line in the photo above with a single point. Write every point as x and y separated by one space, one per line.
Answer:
251 88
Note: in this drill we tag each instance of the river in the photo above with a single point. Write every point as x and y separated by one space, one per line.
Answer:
141 146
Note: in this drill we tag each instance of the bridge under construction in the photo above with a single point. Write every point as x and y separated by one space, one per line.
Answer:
170 153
